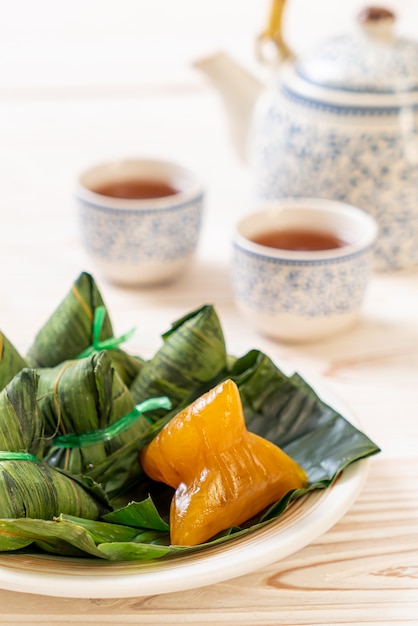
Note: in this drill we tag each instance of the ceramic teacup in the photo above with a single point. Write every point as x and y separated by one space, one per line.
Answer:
140 219
302 293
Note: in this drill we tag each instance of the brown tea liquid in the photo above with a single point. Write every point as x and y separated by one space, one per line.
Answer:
137 189
299 239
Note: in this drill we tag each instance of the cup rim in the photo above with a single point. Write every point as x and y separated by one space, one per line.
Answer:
86 194
316 205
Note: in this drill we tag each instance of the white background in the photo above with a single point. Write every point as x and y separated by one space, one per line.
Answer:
50 43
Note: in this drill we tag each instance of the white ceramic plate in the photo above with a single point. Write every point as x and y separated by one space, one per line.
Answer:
305 520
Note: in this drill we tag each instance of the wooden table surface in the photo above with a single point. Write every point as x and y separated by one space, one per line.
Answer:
364 570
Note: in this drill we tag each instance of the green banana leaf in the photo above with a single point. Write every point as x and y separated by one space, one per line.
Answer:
192 354
69 537
28 487
139 515
287 411
65 539
11 362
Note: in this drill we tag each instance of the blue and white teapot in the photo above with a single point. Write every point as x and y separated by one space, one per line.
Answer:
340 123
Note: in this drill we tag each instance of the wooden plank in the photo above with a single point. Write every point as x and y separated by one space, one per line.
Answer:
363 571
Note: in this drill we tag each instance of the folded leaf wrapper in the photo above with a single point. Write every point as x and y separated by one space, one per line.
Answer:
192 355
11 362
29 488
21 426
70 331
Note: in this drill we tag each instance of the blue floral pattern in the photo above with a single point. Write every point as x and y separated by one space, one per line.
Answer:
124 235
365 157
303 288
356 63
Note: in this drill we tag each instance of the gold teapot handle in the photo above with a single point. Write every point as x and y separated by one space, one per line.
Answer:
270 42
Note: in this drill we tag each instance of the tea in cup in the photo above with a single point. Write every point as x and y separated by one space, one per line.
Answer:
300 267
140 219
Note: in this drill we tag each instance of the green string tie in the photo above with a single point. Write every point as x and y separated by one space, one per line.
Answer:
113 430
17 456
106 344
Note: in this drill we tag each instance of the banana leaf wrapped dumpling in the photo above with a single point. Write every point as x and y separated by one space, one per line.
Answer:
80 324
79 397
68 331
82 399
29 487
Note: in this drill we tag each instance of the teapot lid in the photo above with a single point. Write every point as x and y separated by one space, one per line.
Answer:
370 60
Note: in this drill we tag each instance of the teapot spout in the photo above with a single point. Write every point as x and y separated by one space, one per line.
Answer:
239 91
